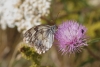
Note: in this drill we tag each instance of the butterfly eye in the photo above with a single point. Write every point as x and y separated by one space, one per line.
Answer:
53 28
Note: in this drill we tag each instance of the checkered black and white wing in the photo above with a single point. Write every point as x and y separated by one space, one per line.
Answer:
40 37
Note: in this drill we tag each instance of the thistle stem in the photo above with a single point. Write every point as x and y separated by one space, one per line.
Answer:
92 53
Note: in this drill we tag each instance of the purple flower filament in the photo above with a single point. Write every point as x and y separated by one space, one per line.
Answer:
71 37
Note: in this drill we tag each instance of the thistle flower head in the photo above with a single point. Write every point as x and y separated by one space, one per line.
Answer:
71 37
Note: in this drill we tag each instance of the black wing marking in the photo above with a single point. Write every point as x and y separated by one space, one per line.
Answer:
44 41
29 35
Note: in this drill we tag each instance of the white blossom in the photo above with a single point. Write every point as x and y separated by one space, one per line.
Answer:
23 14
94 2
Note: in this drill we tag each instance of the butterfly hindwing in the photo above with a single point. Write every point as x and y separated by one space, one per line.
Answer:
41 37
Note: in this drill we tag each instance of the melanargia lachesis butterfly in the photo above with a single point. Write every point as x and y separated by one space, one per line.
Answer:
40 37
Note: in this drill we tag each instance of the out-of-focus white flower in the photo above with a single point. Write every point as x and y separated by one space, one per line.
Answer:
23 14
9 13
94 2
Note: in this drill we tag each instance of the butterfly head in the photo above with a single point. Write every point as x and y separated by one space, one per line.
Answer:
53 28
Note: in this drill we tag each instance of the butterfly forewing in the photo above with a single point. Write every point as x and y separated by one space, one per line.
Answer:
29 35
41 37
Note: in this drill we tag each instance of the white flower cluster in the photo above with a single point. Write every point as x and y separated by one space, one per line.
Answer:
94 2
22 13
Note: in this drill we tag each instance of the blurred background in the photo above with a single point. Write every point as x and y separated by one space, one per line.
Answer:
17 16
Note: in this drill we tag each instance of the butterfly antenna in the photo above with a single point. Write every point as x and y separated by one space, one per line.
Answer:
55 18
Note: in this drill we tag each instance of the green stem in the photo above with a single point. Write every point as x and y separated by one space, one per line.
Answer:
92 53
94 40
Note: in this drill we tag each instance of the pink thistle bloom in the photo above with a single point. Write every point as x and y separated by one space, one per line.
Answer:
71 37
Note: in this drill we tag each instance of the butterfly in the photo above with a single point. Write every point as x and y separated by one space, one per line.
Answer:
40 37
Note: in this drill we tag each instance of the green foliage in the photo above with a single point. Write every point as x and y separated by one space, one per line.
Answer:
30 54
90 60
92 29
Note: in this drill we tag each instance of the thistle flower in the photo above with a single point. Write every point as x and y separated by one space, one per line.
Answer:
71 37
